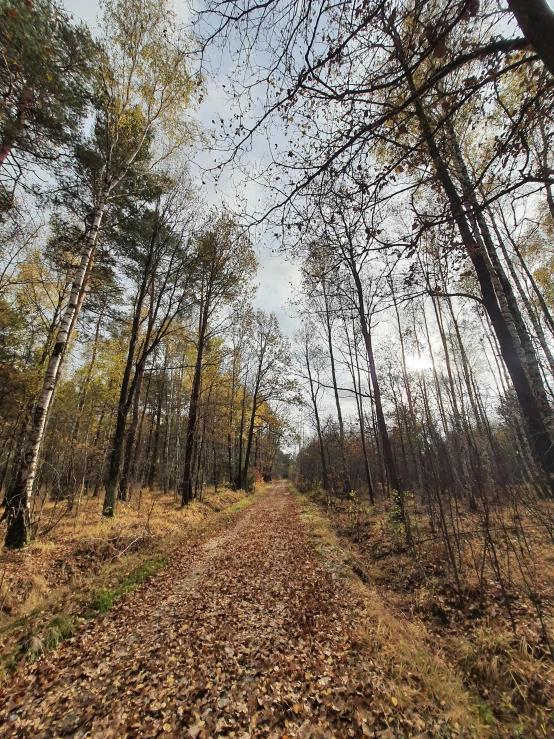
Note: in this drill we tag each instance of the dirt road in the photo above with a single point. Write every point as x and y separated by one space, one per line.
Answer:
252 639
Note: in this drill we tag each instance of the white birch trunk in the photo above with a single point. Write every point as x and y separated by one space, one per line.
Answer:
19 503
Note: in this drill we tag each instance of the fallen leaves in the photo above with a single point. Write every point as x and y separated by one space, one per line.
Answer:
251 637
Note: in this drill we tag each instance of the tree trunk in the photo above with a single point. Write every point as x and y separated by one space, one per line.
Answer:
230 424
357 383
128 386
124 404
10 137
539 332
130 444
506 298
239 480
19 504
251 425
80 407
186 485
388 456
538 433
156 439
460 446
344 460
536 20
410 420
317 422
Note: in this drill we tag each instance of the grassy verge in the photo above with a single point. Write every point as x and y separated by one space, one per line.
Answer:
36 640
497 652
422 683
245 502
40 627
106 597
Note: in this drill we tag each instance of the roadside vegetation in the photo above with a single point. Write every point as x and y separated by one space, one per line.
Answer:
481 660
76 573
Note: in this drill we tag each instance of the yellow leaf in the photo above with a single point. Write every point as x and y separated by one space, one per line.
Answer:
394 701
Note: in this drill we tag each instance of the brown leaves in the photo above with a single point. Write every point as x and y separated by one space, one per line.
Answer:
249 635
195 729
240 640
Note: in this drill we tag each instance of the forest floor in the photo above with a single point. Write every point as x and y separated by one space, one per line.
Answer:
260 630
496 649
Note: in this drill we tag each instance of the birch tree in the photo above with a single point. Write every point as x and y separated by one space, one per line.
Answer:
144 87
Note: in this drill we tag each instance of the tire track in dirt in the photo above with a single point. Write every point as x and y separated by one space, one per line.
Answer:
253 639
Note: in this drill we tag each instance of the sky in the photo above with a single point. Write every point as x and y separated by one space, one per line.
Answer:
276 276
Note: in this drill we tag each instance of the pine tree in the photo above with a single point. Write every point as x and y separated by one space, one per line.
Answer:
45 78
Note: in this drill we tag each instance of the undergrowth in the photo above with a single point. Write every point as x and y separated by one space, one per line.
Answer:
422 682
502 665
64 625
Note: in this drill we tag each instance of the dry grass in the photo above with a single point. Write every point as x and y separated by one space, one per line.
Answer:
508 675
85 543
421 677
84 563
427 689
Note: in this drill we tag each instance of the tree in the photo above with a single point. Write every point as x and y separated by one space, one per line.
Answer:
326 316
143 90
269 382
225 261
536 20
45 79
309 357
158 245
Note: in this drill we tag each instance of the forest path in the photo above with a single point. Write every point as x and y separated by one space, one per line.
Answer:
253 639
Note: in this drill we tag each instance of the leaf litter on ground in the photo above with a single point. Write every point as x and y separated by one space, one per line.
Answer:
250 636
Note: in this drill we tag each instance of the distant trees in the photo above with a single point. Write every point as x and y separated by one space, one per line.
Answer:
125 261
225 263
268 379
309 357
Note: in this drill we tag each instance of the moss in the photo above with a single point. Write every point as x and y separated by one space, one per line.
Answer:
239 505
486 713
105 598
243 502
34 646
